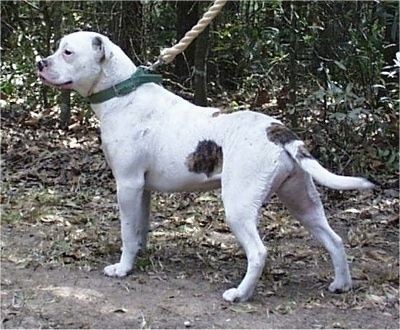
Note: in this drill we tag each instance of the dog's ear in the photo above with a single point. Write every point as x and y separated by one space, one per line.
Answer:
56 45
100 46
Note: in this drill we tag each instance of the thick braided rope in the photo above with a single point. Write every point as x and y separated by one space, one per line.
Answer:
168 54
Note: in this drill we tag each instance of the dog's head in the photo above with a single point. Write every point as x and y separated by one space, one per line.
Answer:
77 63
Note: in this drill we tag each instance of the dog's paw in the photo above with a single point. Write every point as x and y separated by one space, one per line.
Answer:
339 287
116 270
234 294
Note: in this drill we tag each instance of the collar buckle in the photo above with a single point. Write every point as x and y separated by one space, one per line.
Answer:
124 88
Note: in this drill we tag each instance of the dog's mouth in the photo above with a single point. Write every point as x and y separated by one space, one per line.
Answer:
65 85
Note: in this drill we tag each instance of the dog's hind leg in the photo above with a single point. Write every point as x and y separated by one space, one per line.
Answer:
242 221
242 212
299 194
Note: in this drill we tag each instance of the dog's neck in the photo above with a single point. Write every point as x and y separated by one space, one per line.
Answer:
117 68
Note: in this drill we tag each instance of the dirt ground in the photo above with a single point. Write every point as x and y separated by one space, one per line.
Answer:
60 298
179 282
60 228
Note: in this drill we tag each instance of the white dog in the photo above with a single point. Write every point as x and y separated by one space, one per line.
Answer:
155 140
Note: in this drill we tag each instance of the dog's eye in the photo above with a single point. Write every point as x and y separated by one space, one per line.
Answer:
67 52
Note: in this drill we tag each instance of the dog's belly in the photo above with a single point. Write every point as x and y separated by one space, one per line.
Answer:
168 182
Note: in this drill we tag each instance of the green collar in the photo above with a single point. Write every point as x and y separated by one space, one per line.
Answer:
140 77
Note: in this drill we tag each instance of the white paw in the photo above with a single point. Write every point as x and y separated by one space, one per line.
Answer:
234 294
116 270
339 287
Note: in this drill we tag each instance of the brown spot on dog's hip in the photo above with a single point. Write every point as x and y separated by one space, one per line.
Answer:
216 114
280 135
207 158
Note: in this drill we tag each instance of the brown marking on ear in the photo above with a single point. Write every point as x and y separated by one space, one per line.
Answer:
280 135
56 45
97 42
98 45
207 158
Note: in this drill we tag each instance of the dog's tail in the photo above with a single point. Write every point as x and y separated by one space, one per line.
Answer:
308 163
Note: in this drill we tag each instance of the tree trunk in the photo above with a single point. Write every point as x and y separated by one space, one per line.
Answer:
292 18
391 22
64 98
200 72
187 17
44 8
126 27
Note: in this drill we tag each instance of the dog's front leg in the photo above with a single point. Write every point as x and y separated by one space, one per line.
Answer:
134 206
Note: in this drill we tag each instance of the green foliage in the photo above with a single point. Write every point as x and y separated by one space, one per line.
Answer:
327 67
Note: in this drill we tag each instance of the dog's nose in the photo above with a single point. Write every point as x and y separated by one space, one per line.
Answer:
41 64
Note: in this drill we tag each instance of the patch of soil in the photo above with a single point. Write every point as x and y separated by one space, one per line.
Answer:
62 298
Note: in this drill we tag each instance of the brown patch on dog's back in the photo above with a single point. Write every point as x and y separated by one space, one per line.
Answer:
207 158
216 114
302 152
280 135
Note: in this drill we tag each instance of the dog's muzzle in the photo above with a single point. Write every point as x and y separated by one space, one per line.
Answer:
42 64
